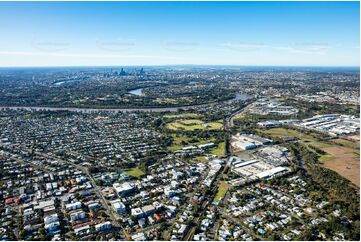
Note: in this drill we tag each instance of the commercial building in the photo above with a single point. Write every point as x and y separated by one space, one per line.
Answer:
137 212
118 206
249 141
272 172
103 226
124 188
148 210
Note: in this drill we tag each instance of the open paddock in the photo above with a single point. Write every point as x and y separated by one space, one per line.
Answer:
344 161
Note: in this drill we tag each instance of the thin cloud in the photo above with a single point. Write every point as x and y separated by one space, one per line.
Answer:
240 46
50 46
115 45
305 48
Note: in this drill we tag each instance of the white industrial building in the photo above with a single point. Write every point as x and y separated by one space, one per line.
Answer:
264 107
275 123
206 146
249 141
272 172
263 164
332 124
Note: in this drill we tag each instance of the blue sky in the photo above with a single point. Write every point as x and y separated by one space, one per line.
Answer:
164 33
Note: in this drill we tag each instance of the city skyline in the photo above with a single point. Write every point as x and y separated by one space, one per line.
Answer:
177 33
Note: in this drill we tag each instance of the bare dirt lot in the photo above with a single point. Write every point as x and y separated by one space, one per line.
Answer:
345 162
354 137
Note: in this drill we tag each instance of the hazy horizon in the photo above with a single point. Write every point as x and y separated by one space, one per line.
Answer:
181 65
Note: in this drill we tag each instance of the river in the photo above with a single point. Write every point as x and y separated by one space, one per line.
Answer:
90 110
137 92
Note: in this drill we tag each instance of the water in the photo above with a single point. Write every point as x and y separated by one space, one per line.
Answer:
59 83
137 92
240 96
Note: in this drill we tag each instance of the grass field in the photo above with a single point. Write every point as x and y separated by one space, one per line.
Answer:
344 161
199 159
325 158
177 143
166 100
282 132
182 115
190 122
220 150
193 124
239 116
135 172
317 144
348 143
222 189
307 139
